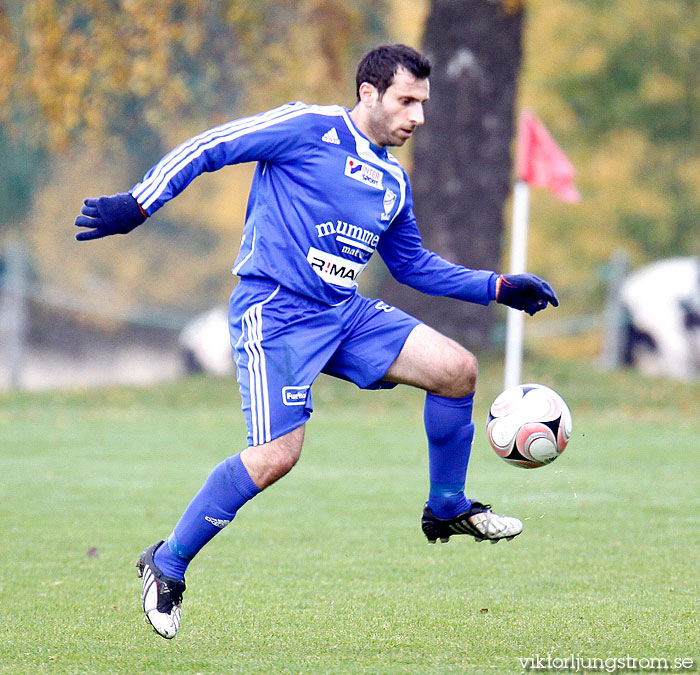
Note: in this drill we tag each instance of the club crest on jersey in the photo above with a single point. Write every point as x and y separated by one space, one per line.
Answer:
389 201
364 173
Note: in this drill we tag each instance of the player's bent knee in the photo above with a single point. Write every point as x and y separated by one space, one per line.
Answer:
268 462
281 459
284 459
460 373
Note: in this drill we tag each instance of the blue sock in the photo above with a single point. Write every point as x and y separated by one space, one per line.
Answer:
226 489
450 431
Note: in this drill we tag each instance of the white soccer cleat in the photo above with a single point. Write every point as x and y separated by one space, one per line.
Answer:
493 527
478 521
161 595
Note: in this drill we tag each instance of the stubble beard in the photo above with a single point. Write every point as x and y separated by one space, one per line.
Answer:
380 129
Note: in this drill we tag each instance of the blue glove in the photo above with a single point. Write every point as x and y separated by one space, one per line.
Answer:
525 291
118 214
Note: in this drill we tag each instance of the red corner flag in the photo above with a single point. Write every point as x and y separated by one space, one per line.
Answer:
541 163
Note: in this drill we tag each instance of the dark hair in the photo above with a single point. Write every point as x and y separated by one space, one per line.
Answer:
379 66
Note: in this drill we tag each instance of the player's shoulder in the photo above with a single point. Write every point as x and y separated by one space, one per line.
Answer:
316 125
308 122
319 121
307 113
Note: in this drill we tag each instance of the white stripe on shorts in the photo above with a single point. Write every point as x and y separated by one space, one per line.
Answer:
252 328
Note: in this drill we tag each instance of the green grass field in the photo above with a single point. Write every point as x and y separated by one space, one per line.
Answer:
328 571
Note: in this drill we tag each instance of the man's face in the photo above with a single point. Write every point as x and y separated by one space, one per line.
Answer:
393 118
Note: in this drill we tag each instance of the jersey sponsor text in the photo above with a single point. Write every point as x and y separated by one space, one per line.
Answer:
334 269
364 173
349 234
294 395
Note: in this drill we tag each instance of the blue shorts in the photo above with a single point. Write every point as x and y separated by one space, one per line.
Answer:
282 341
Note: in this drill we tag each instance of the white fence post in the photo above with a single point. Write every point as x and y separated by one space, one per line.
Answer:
13 312
613 313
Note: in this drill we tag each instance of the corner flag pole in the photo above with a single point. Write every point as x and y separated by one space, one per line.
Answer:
515 319
541 163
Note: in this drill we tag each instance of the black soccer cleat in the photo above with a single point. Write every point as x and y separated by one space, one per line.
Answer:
161 595
478 521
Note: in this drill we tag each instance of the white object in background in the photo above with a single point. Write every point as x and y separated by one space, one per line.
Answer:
206 343
515 320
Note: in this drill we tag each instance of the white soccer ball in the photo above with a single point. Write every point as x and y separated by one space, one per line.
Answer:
529 425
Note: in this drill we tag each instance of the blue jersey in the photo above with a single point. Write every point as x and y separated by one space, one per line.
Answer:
323 199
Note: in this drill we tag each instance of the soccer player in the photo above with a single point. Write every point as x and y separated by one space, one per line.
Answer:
326 194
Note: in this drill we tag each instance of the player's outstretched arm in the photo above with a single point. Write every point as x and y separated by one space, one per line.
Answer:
116 214
526 292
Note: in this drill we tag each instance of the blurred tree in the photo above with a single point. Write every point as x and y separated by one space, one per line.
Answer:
21 165
100 90
462 164
646 92
106 72
618 84
21 162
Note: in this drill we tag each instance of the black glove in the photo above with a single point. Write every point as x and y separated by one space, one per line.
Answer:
117 214
525 291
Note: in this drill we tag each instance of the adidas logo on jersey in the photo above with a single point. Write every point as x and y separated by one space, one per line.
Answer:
331 136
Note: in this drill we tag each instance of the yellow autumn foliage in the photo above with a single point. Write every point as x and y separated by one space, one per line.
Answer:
105 88
96 77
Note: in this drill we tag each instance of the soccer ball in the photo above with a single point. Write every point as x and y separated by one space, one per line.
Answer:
529 425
